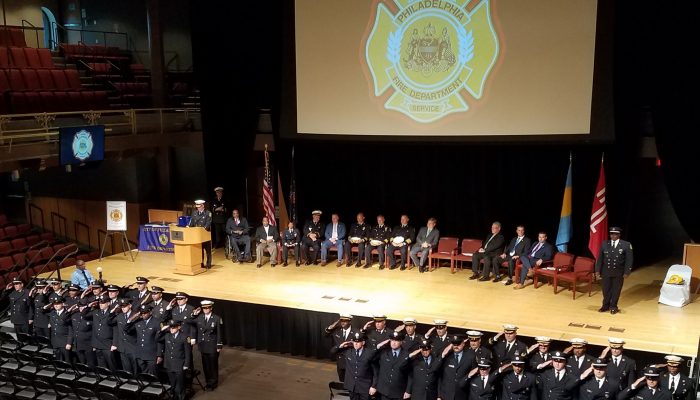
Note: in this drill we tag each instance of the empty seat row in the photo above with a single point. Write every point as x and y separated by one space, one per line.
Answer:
12 37
26 57
90 52
10 230
22 80
57 101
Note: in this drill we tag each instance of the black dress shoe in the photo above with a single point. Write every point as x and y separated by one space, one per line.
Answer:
403 267
285 264
614 311
259 265
603 309
358 265
474 276
308 262
392 267
298 263
273 265
484 279
497 278
509 282
381 267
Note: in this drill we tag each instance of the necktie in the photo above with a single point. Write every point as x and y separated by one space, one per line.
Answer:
600 383
615 244
483 382
458 356
427 363
653 392
558 376
396 354
535 249
489 241
508 346
519 377
206 319
357 353
672 387
617 362
87 281
544 356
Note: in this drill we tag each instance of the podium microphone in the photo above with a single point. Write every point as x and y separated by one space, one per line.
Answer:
99 271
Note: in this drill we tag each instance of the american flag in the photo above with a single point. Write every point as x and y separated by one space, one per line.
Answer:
268 202
293 194
599 216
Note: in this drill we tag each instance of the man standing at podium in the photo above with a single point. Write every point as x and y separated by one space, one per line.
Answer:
202 219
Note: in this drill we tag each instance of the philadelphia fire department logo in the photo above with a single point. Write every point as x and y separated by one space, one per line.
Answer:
432 53
82 145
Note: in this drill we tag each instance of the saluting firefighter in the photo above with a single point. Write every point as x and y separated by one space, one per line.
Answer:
613 265
21 310
209 339
176 354
341 331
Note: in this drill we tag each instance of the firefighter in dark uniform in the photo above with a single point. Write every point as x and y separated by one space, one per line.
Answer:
202 218
180 311
481 382
518 384
613 265
56 289
207 334
21 310
680 386
61 331
176 354
423 381
113 293
313 236
598 385
377 239
103 341
480 352
40 299
126 340
438 336
505 349
393 368
558 383
146 328
360 379
139 295
219 213
73 297
158 304
456 365
402 237
291 239
94 292
357 237
579 361
412 338
377 333
340 331
539 361
620 367
647 387
82 332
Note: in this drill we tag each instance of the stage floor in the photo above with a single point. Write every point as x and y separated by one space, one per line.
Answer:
643 323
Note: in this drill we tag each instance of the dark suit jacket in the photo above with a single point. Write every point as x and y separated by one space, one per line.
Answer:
176 352
502 356
476 389
61 329
590 391
545 252
614 261
453 374
241 226
146 347
423 381
495 245
341 230
552 389
103 324
538 359
642 392
261 235
520 249
572 366
392 377
526 389
207 333
423 237
625 373
338 339
684 389
359 372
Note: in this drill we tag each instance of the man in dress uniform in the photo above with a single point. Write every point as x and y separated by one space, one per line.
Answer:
61 331
176 355
680 386
456 365
491 248
313 236
113 293
218 219
480 352
92 293
139 295
103 341
517 248
557 383
518 385
266 238
378 333
357 237
579 361
158 304
620 367
40 299
412 338
438 336
647 387
539 361
180 311
402 237
82 332
335 236
393 368
146 328
505 349
378 238
599 385
614 263
426 239
210 341
73 295
125 340
360 379
481 382
21 310
340 331
239 233
291 239
423 380
202 218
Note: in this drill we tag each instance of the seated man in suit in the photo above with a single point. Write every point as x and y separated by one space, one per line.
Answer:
290 240
490 248
540 252
239 233
402 236
266 237
378 238
335 236
357 237
517 248
427 238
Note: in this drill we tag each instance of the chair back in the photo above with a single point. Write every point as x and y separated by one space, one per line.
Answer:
584 265
447 245
470 246
562 259
683 270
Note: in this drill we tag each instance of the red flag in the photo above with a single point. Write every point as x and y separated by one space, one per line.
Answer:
268 202
599 216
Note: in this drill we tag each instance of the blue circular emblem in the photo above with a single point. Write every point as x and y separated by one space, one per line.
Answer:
82 145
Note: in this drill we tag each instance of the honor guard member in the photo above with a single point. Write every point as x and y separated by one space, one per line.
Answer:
21 310
438 337
357 237
456 365
540 361
313 236
647 387
82 332
55 289
598 385
40 299
518 385
218 219
505 349
73 297
140 294
103 325
579 361
402 237
340 331
412 338
94 292
176 354
621 367
481 383
146 328
181 312
202 218
678 384
613 265
393 368
61 331
378 239
113 294
360 379
423 380
126 339
158 304
557 383
239 234
291 239
475 346
377 333
209 338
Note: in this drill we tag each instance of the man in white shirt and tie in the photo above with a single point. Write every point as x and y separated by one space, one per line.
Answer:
651 391
679 384
335 236
341 331
598 384
621 367
517 248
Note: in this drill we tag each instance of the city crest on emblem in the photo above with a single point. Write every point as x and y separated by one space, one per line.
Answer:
432 55
82 145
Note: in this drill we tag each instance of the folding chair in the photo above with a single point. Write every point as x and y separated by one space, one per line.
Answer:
338 391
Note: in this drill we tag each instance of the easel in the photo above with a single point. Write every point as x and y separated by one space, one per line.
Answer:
124 241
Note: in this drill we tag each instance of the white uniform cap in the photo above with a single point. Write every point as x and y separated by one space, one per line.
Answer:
199 202
510 328
578 342
409 321
216 189
206 303
440 322
316 212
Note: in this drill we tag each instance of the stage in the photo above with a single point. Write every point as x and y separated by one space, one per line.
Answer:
645 325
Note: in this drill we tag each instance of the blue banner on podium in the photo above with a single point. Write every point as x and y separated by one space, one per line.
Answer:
155 238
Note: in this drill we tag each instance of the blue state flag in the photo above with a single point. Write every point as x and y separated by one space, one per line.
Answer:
565 230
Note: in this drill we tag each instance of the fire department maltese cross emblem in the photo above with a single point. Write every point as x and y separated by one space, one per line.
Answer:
434 54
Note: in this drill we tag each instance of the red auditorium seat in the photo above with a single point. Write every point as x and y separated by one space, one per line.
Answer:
59 79
46 58
76 101
19 244
58 247
31 80
73 78
11 231
33 239
4 58
17 38
18 58
4 84
16 81
32 56
48 236
5 248
45 79
24 228
5 39
48 101
6 264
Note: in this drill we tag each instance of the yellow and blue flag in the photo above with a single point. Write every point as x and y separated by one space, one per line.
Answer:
565 230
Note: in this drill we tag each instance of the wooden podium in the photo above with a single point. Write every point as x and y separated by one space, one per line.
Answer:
188 248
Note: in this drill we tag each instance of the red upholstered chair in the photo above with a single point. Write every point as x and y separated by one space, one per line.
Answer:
46 58
561 262
446 250
582 271
32 56
467 250
19 60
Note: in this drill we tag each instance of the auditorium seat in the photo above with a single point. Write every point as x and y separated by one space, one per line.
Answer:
582 271
73 78
32 56
467 249
446 250
4 58
561 262
17 57
60 80
46 59
5 248
33 239
48 236
17 38
19 244
45 79
11 231
4 82
31 80
17 83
